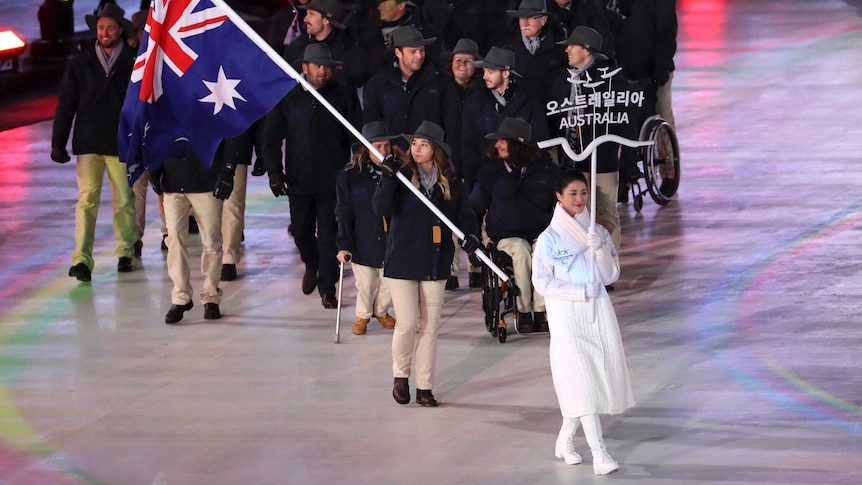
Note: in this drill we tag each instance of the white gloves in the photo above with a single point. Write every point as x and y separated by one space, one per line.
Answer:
594 241
593 289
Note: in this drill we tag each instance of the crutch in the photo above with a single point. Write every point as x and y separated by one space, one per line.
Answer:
340 289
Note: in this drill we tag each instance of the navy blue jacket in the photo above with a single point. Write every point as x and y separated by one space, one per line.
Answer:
519 204
427 96
482 115
360 230
412 251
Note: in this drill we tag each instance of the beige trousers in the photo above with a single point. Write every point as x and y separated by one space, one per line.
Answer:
607 185
418 305
140 191
521 252
90 171
208 213
663 101
233 216
372 291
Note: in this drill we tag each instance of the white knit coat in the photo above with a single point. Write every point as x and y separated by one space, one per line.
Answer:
588 363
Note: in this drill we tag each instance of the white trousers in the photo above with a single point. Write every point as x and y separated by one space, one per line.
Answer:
521 252
233 216
372 291
418 305
208 213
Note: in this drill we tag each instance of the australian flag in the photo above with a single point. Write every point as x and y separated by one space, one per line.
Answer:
201 75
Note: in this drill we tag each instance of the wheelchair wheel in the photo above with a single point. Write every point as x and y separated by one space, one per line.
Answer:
491 295
661 160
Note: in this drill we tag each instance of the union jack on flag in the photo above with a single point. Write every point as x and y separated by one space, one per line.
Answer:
201 75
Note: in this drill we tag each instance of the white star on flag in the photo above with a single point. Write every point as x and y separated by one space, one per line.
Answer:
222 92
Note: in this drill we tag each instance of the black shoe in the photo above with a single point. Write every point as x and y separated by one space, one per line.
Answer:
139 246
328 299
401 390
424 398
540 322
175 314
211 311
609 288
125 265
524 323
164 244
81 271
258 169
452 283
309 281
193 226
228 272
475 280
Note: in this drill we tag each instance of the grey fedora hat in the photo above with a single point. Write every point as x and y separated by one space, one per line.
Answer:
331 10
498 58
587 38
115 12
318 53
467 46
513 129
409 36
376 131
429 130
531 8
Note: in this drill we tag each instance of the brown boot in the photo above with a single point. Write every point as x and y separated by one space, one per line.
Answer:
386 321
360 325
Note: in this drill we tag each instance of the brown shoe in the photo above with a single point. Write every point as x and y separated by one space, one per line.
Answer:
309 281
360 325
386 321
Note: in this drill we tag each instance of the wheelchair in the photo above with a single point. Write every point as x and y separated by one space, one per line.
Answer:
659 164
499 298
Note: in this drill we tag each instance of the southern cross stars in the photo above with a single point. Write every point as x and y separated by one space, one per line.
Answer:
222 92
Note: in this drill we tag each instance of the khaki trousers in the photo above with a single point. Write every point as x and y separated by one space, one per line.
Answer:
140 191
208 213
607 186
521 252
418 305
372 291
90 170
233 216
663 101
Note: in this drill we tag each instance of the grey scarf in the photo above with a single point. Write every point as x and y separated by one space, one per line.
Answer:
106 60
427 180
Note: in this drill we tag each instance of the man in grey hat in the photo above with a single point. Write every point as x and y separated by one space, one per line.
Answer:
411 91
502 97
91 95
589 77
537 56
316 148
323 23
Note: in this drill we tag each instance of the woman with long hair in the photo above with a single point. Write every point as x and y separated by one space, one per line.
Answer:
588 363
361 235
419 252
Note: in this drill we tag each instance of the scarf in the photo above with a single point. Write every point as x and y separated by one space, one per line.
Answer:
427 180
106 60
572 230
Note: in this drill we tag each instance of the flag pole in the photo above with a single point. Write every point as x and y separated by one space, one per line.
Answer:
290 71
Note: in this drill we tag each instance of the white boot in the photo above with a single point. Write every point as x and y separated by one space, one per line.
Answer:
565 448
602 461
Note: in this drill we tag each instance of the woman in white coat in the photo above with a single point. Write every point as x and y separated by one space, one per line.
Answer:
588 363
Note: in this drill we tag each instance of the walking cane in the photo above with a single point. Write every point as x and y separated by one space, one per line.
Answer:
340 289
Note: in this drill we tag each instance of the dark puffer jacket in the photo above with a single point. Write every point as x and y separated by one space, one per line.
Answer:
518 204
316 144
93 100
